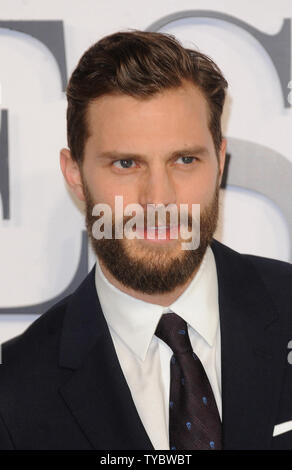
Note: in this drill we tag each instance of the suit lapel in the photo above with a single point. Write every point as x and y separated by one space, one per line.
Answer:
252 356
97 393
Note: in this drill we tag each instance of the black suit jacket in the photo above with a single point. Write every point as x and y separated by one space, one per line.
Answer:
62 387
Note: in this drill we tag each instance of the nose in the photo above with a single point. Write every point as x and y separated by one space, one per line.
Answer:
157 187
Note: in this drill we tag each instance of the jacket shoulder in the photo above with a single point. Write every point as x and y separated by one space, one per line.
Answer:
270 269
39 336
40 343
275 277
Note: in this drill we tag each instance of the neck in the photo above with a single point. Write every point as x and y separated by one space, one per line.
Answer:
163 299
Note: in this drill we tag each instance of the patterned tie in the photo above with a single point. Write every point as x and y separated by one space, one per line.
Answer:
194 421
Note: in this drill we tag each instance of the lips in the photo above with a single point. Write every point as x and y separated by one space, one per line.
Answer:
162 231
160 227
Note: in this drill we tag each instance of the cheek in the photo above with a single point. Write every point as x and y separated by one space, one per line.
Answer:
198 191
105 188
202 192
99 192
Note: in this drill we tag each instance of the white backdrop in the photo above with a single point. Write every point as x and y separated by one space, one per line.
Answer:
40 242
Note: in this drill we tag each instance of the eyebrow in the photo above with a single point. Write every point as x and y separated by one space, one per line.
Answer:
186 151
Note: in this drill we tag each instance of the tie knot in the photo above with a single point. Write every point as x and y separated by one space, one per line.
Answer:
173 330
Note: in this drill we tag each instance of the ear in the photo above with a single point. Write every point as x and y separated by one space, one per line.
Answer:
222 155
71 173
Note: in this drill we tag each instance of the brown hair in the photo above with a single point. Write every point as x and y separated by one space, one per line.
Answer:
139 64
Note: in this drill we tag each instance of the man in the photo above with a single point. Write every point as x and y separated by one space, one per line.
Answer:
160 347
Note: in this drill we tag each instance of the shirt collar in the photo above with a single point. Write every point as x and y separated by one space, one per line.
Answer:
135 320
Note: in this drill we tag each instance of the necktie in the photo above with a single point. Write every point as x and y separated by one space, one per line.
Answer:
194 421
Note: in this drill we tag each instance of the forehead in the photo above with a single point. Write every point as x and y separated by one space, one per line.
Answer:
179 114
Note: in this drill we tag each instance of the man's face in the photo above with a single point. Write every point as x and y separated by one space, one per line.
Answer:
157 150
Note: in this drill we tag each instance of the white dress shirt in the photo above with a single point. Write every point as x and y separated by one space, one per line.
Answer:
145 359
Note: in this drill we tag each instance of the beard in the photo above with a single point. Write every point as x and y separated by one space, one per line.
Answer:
148 267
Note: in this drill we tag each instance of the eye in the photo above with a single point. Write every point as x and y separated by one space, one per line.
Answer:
186 160
127 163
